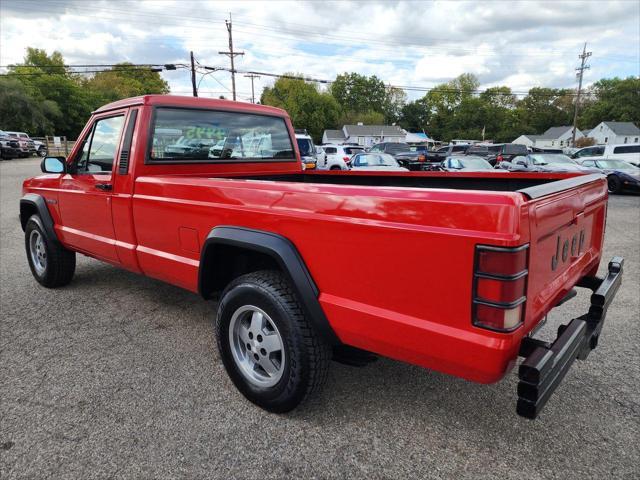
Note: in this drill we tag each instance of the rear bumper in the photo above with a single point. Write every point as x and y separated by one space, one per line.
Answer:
546 364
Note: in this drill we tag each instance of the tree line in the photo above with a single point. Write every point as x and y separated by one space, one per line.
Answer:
43 97
456 109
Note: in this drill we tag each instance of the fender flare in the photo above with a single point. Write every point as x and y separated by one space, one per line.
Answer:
286 256
38 202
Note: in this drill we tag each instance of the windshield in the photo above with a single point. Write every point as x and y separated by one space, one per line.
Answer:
617 164
542 159
475 163
305 146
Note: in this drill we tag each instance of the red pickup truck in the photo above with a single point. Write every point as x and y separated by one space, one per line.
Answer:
450 271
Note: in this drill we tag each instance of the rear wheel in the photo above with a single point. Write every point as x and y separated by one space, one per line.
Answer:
615 184
51 264
335 167
268 347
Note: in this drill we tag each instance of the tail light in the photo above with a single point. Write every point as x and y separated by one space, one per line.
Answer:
421 158
499 158
500 287
346 159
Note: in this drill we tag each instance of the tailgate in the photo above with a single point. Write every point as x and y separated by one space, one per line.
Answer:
566 223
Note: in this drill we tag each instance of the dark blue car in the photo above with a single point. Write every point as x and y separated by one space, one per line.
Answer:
621 176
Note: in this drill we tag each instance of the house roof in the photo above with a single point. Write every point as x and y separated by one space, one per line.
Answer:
373 130
531 137
335 134
623 128
555 132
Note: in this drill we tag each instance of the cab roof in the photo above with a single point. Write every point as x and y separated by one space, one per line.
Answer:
194 102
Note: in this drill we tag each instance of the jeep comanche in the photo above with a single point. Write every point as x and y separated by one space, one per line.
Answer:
450 271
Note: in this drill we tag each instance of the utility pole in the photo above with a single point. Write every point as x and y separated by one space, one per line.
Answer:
583 57
231 54
193 76
252 76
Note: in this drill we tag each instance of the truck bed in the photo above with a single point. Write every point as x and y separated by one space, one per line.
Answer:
532 185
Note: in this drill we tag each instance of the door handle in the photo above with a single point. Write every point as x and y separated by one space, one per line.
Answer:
104 186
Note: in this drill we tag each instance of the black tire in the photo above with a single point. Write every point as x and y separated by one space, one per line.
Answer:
60 263
42 152
307 356
335 167
615 184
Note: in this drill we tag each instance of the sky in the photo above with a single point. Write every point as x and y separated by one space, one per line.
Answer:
520 44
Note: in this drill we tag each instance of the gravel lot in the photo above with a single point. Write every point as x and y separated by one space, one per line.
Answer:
117 375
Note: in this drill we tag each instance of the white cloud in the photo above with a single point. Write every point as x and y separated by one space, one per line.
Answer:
519 44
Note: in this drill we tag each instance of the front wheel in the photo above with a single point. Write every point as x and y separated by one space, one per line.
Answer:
614 183
42 152
268 347
51 264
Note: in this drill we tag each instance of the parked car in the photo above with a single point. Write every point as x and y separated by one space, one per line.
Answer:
465 163
484 150
629 152
25 145
36 147
441 153
376 161
410 159
544 162
338 157
192 148
9 146
307 149
507 152
452 274
621 175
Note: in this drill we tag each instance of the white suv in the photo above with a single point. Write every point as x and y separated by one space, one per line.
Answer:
338 157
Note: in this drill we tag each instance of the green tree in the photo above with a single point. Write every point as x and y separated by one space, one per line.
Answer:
125 80
616 100
46 78
415 116
307 106
358 93
19 111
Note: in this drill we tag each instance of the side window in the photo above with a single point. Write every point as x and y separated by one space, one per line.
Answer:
589 163
330 150
100 146
627 149
376 148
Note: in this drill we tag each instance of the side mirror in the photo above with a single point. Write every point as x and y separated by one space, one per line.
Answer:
53 165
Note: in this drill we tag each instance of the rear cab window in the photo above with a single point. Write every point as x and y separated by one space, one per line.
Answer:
515 149
352 150
183 135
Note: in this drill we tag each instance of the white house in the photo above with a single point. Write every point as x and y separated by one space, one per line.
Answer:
557 137
365 135
528 140
615 132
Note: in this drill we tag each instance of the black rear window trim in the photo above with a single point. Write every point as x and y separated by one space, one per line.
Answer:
185 161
